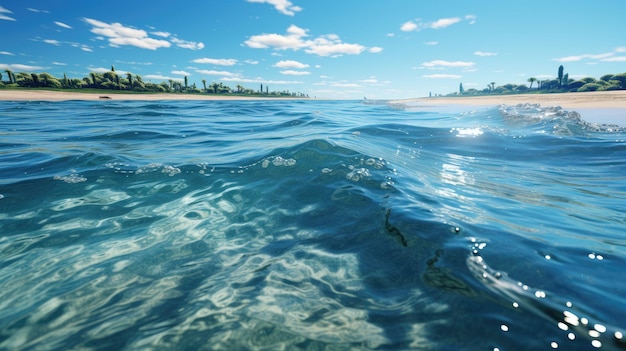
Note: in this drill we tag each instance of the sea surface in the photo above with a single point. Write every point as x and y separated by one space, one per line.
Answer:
309 225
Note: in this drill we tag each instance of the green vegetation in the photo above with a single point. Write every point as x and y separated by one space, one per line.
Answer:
561 84
131 83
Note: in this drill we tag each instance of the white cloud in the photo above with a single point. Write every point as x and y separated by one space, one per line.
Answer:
418 24
36 10
119 35
615 59
409 26
345 85
219 62
161 34
5 17
216 73
375 49
161 77
252 62
6 53
98 69
584 56
443 23
61 24
620 49
59 63
295 39
283 6
431 43
483 53
187 44
181 73
295 73
442 63
442 76
19 67
290 64
52 42
259 80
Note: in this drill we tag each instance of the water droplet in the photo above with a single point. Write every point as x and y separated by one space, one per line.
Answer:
562 326
504 328
596 343
600 328
554 345
619 335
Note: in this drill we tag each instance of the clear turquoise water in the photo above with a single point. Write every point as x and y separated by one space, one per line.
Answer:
309 226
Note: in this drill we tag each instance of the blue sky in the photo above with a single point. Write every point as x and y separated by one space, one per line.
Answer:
325 48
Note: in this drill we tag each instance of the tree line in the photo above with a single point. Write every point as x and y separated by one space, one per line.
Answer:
561 84
129 82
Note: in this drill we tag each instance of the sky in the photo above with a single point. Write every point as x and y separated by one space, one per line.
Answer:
343 49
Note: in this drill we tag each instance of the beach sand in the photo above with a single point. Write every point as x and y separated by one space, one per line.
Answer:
596 99
47 95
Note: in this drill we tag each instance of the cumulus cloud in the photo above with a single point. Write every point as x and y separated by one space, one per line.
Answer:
6 53
5 17
181 73
52 42
296 39
161 77
63 25
119 35
418 24
213 61
283 6
19 67
187 44
375 49
290 64
442 63
295 73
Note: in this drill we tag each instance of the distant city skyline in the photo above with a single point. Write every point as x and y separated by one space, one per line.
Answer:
378 49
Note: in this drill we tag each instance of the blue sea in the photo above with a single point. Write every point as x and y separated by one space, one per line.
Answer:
309 225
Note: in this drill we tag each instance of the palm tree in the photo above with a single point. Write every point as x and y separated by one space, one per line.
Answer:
11 76
186 83
493 85
239 88
93 78
130 80
531 80
204 84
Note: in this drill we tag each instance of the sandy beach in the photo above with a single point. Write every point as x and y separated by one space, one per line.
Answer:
47 95
602 99
599 99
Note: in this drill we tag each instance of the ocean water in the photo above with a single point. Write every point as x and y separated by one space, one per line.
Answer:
309 225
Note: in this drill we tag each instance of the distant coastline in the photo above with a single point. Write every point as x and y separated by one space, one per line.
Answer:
590 99
29 94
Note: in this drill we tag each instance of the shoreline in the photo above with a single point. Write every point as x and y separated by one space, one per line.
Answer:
52 95
615 99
